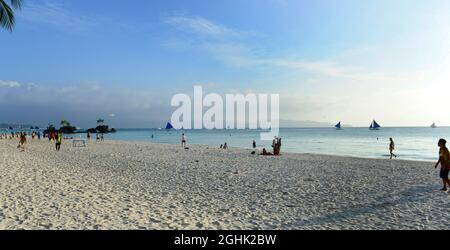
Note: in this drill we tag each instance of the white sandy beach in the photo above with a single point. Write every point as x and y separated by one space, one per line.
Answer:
125 185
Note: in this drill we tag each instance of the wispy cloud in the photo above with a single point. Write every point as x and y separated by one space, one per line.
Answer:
336 87
227 45
58 15
55 14
199 26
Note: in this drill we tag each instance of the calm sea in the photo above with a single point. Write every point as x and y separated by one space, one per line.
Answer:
411 143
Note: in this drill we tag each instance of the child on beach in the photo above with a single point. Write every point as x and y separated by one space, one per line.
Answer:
444 157
58 141
392 148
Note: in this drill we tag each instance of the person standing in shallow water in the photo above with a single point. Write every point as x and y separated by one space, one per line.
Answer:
444 157
392 148
183 140
254 144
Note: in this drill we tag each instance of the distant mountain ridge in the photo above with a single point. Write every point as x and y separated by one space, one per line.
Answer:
15 126
283 124
308 124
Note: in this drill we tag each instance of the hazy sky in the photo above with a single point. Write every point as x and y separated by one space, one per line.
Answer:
349 61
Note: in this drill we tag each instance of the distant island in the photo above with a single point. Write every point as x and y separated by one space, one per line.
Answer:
68 128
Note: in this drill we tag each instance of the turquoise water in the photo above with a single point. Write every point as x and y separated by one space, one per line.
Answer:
411 143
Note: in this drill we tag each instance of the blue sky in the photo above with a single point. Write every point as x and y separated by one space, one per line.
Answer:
329 60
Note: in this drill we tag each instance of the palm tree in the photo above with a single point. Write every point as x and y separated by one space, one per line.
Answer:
65 123
7 19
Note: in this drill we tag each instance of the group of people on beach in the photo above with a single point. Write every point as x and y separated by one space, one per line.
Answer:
55 136
443 162
276 147
98 137
12 135
22 136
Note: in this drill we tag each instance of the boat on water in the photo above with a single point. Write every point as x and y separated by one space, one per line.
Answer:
433 125
169 126
374 125
338 126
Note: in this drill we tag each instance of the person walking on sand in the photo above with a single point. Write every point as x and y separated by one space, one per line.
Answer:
58 141
183 140
23 141
444 157
392 148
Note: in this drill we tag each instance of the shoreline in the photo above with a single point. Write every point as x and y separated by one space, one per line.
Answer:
259 149
139 185
348 143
